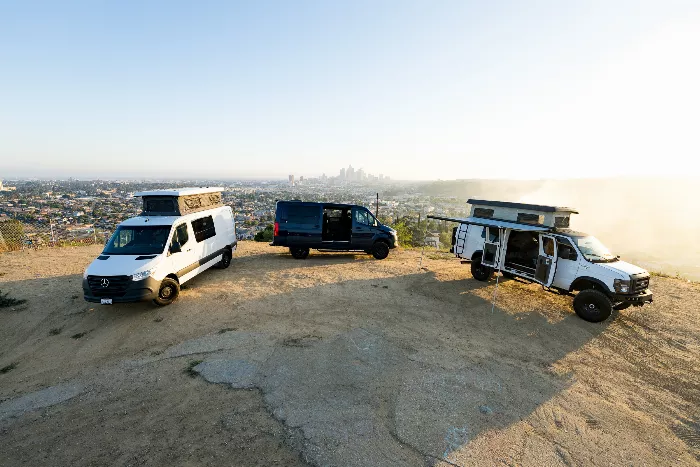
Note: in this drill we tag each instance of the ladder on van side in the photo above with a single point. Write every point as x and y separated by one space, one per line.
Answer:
461 239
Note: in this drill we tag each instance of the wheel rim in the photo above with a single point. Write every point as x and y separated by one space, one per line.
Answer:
166 292
592 308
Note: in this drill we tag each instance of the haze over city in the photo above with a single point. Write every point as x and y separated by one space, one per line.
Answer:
415 90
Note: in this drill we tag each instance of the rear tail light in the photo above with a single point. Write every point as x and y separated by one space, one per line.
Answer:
276 231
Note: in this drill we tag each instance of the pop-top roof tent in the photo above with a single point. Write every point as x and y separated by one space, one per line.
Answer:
180 201
517 216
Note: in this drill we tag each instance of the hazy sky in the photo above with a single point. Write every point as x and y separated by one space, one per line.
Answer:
412 89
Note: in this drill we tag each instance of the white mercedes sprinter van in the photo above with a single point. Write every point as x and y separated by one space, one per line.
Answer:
179 234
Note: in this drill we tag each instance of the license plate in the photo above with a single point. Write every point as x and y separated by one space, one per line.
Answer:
106 301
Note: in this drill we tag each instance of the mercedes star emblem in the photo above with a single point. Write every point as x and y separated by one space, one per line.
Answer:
105 282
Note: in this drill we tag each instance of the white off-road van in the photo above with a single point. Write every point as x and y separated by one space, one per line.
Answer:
534 243
179 234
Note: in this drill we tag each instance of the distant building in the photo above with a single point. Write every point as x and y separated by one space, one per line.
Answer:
342 174
291 180
350 173
6 188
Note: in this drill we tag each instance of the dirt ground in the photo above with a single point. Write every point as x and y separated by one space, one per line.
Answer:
341 359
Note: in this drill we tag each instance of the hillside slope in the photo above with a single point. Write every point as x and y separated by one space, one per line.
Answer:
341 359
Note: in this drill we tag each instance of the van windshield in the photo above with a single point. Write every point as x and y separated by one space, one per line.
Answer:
138 240
593 250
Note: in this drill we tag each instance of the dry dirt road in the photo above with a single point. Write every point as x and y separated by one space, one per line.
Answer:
341 359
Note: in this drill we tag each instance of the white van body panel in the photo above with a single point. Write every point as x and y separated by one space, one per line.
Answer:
124 265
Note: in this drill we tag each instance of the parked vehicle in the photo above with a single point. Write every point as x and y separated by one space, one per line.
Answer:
534 243
301 226
179 234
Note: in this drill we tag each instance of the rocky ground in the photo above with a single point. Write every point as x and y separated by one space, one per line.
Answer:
341 359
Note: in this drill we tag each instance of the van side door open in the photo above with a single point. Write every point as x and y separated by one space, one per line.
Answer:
492 247
547 260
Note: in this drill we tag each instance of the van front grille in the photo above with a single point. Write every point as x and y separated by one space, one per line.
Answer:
108 286
640 284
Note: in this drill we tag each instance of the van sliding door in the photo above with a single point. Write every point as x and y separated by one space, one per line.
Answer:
547 260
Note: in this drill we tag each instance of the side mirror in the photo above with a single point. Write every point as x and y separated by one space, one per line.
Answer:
175 248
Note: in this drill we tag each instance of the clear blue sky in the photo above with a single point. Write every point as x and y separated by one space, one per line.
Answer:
412 89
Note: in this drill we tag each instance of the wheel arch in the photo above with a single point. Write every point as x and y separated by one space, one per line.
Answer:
174 277
587 282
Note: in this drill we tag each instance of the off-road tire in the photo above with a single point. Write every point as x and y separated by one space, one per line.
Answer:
380 250
622 306
479 271
168 292
225 260
299 253
592 305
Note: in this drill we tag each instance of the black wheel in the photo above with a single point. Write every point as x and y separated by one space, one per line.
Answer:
225 260
481 272
592 305
622 306
380 250
299 253
168 292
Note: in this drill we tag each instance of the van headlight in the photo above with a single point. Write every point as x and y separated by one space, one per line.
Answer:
621 285
139 276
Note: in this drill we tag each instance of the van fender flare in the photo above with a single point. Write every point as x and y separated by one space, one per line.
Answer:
580 280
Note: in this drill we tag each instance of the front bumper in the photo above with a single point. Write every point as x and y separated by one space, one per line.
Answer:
636 299
134 291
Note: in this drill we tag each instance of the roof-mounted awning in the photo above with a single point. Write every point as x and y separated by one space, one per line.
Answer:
484 222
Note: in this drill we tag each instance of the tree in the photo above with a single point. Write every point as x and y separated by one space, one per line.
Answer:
446 239
264 235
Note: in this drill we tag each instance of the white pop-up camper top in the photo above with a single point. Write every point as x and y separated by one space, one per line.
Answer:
534 242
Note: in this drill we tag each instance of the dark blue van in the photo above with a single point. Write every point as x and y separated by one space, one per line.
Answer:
301 226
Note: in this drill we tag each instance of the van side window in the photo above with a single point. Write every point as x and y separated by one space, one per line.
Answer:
181 236
565 250
361 217
527 218
203 228
303 214
483 212
548 246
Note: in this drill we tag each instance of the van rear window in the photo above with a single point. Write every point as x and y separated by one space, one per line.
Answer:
203 228
303 214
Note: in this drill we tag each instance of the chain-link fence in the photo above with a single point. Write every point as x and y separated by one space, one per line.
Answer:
21 235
